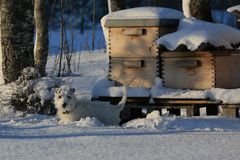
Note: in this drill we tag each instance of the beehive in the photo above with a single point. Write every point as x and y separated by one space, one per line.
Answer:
133 52
201 70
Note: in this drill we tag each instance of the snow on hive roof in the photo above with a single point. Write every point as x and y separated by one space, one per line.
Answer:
149 16
235 10
192 33
146 13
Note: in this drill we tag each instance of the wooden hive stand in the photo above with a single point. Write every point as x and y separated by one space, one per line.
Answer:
135 105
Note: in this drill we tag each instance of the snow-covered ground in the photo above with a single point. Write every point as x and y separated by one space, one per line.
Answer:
155 137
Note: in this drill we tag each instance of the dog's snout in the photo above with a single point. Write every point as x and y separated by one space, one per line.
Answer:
64 105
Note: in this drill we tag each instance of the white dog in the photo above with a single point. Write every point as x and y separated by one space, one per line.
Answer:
70 109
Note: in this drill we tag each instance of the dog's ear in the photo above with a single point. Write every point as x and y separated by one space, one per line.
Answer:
73 90
58 90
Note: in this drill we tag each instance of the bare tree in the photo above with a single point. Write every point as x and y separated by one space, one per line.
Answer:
201 9
17 31
41 40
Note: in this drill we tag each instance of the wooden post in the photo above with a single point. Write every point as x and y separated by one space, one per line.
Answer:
190 111
230 111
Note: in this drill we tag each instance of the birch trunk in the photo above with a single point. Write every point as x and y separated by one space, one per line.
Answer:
41 39
115 5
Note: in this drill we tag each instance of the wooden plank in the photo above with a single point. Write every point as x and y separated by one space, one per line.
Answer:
230 111
122 45
148 65
117 35
141 22
201 77
200 53
143 76
133 64
165 101
134 48
146 80
187 63
134 31
227 71
226 53
190 111
161 101
186 54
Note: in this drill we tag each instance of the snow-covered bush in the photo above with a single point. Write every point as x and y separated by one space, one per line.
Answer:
32 94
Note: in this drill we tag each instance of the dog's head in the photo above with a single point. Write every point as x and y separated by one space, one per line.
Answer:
64 99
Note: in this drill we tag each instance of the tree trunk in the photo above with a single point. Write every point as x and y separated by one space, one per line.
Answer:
1 73
16 37
201 9
41 40
115 5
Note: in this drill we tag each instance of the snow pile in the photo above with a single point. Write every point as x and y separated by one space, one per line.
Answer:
158 91
186 8
192 33
30 94
169 122
234 9
5 97
44 89
228 96
89 122
179 93
152 120
105 87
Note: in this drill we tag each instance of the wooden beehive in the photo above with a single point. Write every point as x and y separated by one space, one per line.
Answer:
201 70
133 52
